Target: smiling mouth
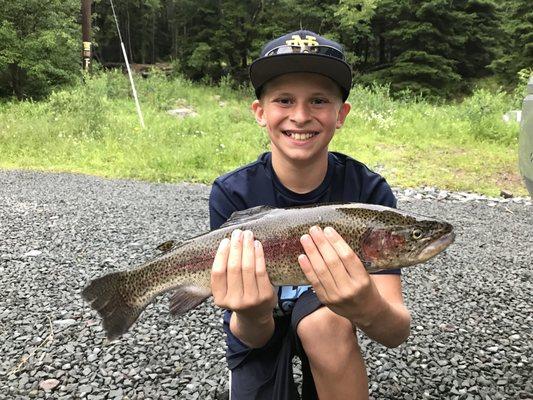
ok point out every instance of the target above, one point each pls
(302, 136)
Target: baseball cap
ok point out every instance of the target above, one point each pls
(301, 51)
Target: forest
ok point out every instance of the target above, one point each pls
(432, 48)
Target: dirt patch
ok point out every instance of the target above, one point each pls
(510, 181)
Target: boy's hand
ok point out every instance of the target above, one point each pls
(239, 280)
(338, 277)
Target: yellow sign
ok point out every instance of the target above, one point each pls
(86, 46)
(298, 41)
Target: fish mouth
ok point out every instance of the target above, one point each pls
(436, 246)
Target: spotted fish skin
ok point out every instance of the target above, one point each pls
(382, 237)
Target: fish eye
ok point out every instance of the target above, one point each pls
(416, 234)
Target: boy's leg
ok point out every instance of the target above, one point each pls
(262, 374)
(334, 355)
(308, 383)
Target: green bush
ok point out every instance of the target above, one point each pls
(484, 112)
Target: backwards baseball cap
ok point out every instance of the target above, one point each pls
(301, 51)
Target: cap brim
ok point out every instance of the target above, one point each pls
(264, 69)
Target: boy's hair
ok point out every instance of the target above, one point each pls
(301, 51)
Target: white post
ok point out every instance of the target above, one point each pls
(137, 105)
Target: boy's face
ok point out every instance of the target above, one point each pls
(300, 112)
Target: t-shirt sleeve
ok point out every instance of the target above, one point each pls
(220, 206)
(382, 194)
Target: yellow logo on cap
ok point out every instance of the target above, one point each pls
(298, 41)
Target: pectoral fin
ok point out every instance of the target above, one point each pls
(186, 298)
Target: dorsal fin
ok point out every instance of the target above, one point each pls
(165, 247)
(170, 245)
(250, 214)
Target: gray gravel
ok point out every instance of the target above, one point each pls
(472, 312)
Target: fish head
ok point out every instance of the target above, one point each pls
(396, 245)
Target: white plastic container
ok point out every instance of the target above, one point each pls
(525, 156)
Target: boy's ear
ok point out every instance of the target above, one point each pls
(343, 112)
(259, 113)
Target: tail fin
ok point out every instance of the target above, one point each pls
(105, 296)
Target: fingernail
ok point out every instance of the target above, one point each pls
(236, 234)
(223, 243)
(328, 230)
(248, 235)
(314, 229)
(257, 244)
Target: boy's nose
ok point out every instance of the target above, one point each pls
(300, 114)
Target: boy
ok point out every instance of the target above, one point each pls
(302, 82)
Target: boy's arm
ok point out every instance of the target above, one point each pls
(373, 304)
(240, 283)
(391, 320)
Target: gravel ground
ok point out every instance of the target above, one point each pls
(472, 321)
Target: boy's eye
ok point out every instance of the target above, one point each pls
(319, 100)
(283, 100)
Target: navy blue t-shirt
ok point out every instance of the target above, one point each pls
(256, 184)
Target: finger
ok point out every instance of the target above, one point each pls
(317, 263)
(235, 265)
(218, 271)
(311, 276)
(330, 256)
(352, 264)
(248, 265)
(263, 281)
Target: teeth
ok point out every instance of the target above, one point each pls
(300, 136)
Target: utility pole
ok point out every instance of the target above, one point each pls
(86, 34)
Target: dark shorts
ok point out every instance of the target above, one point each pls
(266, 373)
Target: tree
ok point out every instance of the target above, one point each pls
(39, 46)
(482, 37)
(380, 49)
(139, 23)
(432, 46)
(517, 53)
(422, 44)
(354, 17)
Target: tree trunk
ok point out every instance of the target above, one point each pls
(366, 50)
(128, 34)
(153, 38)
(381, 50)
(16, 80)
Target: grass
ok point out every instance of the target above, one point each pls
(93, 128)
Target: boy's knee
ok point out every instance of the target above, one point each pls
(330, 344)
(324, 332)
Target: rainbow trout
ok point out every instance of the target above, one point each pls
(382, 237)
